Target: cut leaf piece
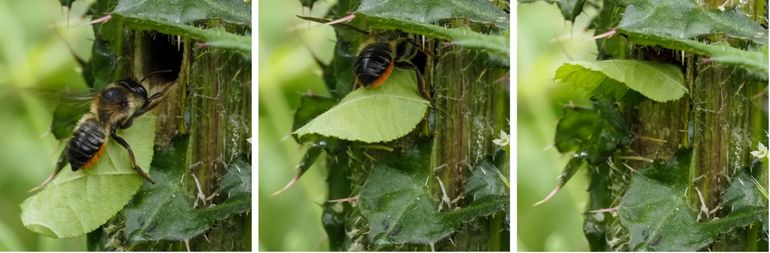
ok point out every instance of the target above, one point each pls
(657, 81)
(373, 115)
(78, 202)
(432, 11)
(686, 19)
(163, 211)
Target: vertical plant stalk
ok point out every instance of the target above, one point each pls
(469, 113)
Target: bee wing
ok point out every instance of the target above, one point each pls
(70, 108)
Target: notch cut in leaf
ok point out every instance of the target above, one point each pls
(657, 81)
(381, 114)
(78, 202)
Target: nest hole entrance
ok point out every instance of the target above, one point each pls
(164, 53)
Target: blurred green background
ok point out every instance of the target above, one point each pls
(545, 41)
(34, 56)
(292, 220)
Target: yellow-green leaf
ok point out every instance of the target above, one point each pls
(657, 81)
(379, 114)
(78, 202)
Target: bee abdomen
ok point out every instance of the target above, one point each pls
(374, 64)
(86, 145)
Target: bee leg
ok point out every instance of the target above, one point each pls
(148, 105)
(420, 78)
(131, 157)
(59, 165)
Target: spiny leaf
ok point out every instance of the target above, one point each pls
(484, 181)
(570, 9)
(186, 11)
(399, 209)
(432, 11)
(686, 19)
(307, 160)
(657, 81)
(78, 202)
(163, 211)
(742, 193)
(753, 60)
(494, 44)
(572, 167)
(373, 115)
(655, 211)
(478, 208)
(594, 134)
(177, 17)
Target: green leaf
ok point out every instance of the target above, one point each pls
(755, 61)
(742, 193)
(572, 167)
(78, 202)
(570, 9)
(310, 106)
(478, 208)
(373, 115)
(597, 225)
(163, 211)
(237, 178)
(65, 117)
(657, 81)
(432, 11)
(655, 211)
(175, 18)
(594, 134)
(686, 19)
(494, 44)
(399, 209)
(395, 200)
(186, 11)
(484, 182)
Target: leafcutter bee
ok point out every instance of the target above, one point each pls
(380, 54)
(115, 107)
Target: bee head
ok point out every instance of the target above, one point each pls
(117, 103)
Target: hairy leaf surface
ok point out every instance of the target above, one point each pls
(686, 19)
(163, 211)
(177, 17)
(432, 11)
(655, 210)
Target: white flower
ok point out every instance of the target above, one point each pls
(761, 152)
(503, 140)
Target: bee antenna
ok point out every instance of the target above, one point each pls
(154, 73)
